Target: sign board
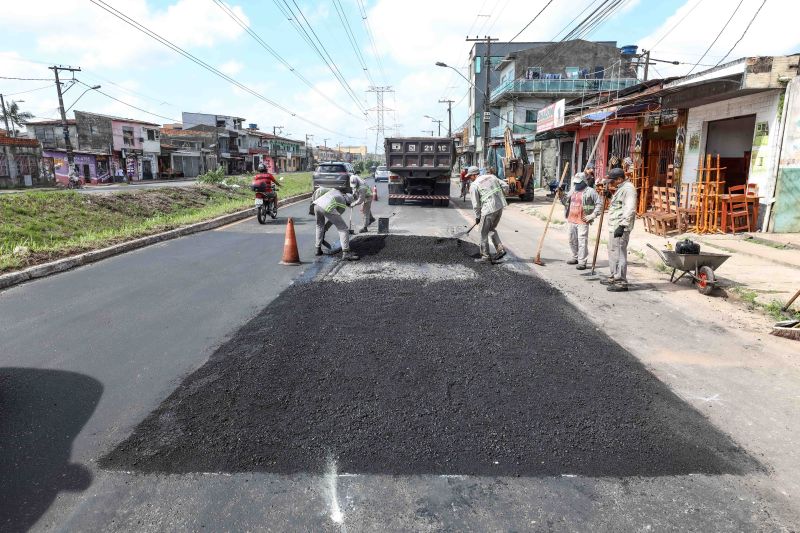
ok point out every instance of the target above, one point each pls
(550, 117)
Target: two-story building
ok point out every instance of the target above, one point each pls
(231, 150)
(50, 134)
(19, 162)
(187, 153)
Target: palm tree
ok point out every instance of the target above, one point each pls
(15, 116)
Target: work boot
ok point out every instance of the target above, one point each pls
(607, 281)
(319, 251)
(484, 259)
(572, 262)
(363, 230)
(617, 287)
(501, 253)
(347, 255)
(580, 267)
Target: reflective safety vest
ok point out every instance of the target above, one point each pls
(331, 200)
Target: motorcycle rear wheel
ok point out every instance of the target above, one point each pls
(273, 208)
(261, 214)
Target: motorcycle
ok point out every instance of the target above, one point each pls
(266, 201)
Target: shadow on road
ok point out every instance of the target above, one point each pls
(41, 413)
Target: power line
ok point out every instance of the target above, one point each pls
(372, 40)
(317, 45)
(532, 21)
(127, 90)
(30, 90)
(743, 33)
(24, 79)
(717, 37)
(131, 22)
(352, 38)
(652, 46)
(128, 104)
(568, 24)
(228, 11)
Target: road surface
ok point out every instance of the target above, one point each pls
(94, 356)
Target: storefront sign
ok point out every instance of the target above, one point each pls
(550, 117)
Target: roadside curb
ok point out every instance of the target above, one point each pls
(68, 263)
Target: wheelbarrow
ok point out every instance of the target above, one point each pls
(700, 267)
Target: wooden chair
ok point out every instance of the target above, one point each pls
(663, 218)
(738, 209)
(687, 208)
(752, 189)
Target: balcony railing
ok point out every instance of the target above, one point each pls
(527, 128)
(562, 86)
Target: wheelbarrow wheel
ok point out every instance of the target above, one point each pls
(706, 280)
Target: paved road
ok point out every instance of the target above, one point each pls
(125, 332)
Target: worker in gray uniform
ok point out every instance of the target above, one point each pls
(487, 195)
(318, 192)
(363, 195)
(328, 209)
(621, 216)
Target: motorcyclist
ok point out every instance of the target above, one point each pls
(74, 178)
(264, 181)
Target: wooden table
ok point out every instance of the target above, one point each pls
(728, 199)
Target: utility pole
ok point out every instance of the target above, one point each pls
(64, 125)
(274, 128)
(380, 109)
(309, 152)
(487, 66)
(438, 123)
(449, 116)
(646, 63)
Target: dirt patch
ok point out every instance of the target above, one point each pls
(445, 377)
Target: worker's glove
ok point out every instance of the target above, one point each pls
(477, 220)
(619, 231)
(311, 209)
(588, 218)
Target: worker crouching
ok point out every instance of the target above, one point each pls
(488, 200)
(621, 216)
(581, 206)
(328, 209)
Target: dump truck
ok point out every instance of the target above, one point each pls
(419, 169)
(510, 160)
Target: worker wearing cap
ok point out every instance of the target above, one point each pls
(363, 195)
(621, 215)
(589, 173)
(581, 207)
(328, 208)
(488, 200)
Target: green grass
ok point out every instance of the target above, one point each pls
(767, 242)
(38, 226)
(773, 309)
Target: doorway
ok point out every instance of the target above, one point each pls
(732, 139)
(147, 169)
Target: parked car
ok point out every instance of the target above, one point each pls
(335, 174)
(382, 174)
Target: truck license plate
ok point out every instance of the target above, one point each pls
(259, 201)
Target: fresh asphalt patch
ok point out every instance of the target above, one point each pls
(490, 373)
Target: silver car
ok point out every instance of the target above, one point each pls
(382, 174)
(335, 175)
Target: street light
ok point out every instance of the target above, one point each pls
(93, 88)
(438, 122)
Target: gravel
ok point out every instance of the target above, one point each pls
(492, 375)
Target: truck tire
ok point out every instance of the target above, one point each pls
(393, 201)
(444, 203)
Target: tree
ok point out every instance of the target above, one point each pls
(15, 116)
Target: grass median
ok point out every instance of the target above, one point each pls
(39, 226)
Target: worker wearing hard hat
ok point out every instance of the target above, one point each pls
(581, 206)
(621, 216)
(363, 195)
(328, 208)
(488, 200)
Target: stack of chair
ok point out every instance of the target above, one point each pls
(662, 218)
(687, 208)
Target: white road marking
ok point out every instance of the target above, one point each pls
(336, 513)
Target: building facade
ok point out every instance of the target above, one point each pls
(20, 160)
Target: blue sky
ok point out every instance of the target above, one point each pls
(410, 37)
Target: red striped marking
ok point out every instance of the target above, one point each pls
(418, 197)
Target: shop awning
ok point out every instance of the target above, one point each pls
(552, 134)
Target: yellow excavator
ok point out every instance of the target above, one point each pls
(510, 160)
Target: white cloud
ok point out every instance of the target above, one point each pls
(85, 34)
(231, 68)
(774, 32)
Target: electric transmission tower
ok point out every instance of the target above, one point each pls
(379, 109)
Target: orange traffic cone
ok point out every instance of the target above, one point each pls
(374, 193)
(290, 254)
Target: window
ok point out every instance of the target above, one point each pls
(572, 72)
(92, 129)
(478, 65)
(533, 73)
(152, 135)
(127, 136)
(530, 115)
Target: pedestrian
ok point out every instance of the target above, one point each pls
(488, 200)
(589, 173)
(581, 207)
(621, 216)
(328, 209)
(363, 194)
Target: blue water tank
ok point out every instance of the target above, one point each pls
(629, 50)
(252, 126)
